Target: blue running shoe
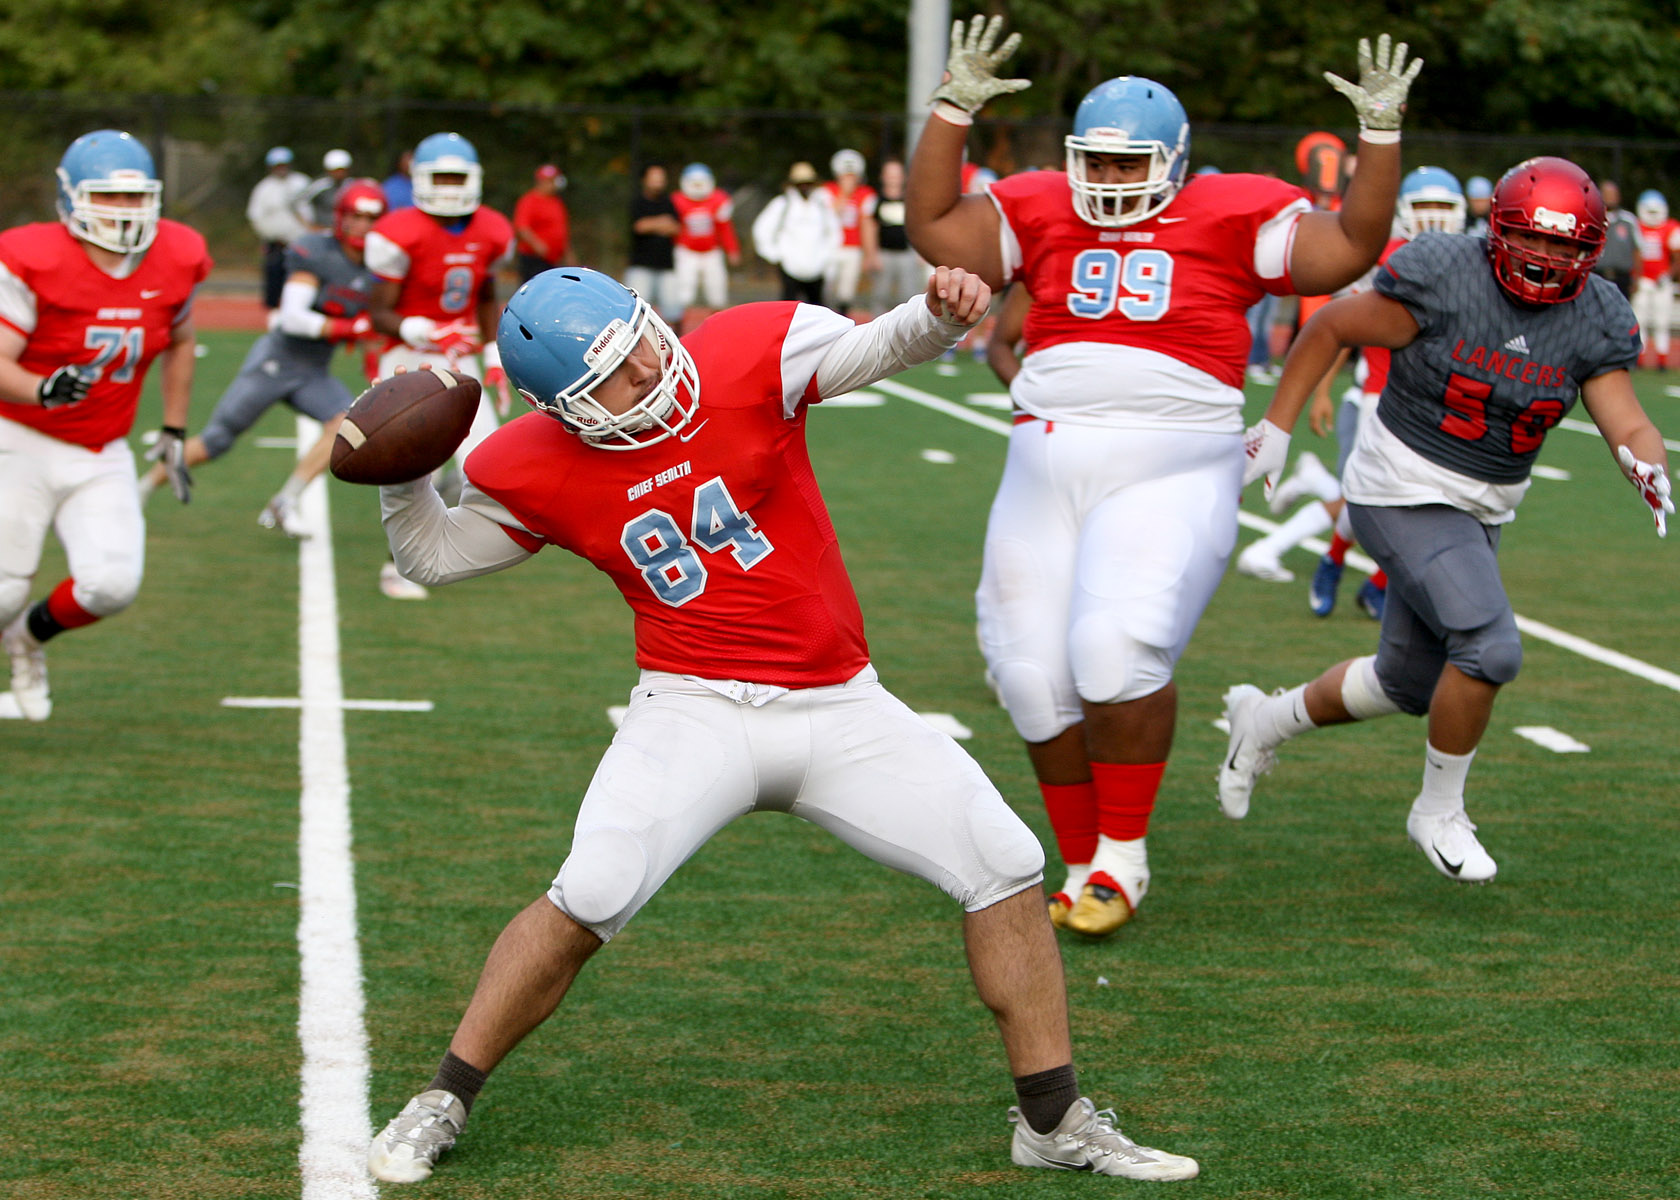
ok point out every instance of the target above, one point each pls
(1371, 599)
(1327, 578)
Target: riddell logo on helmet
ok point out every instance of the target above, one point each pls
(1108, 133)
(1554, 222)
(604, 341)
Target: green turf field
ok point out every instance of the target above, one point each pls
(1302, 1004)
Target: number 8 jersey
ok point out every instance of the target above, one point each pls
(440, 262)
(1157, 308)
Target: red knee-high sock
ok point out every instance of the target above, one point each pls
(64, 609)
(1125, 797)
(1073, 817)
(1339, 546)
(1380, 580)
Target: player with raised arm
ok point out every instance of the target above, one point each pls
(1118, 505)
(680, 470)
(323, 305)
(1491, 344)
(86, 304)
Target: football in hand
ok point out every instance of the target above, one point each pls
(404, 427)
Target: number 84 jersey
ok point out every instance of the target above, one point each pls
(1147, 324)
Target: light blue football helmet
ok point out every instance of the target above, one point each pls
(566, 330)
(1128, 115)
(1651, 207)
(1438, 189)
(101, 163)
(696, 181)
(446, 154)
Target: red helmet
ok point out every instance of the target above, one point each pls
(361, 197)
(1553, 197)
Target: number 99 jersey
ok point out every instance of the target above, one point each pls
(1179, 283)
(441, 264)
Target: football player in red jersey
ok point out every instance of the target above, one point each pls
(1491, 344)
(860, 236)
(680, 470)
(707, 245)
(1118, 505)
(1653, 294)
(86, 304)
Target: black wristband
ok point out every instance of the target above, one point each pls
(176, 430)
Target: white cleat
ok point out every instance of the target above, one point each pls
(282, 513)
(408, 1148)
(1448, 841)
(29, 670)
(1087, 1140)
(396, 587)
(1309, 478)
(1245, 758)
(1262, 564)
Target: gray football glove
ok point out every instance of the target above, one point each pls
(972, 65)
(1380, 95)
(171, 451)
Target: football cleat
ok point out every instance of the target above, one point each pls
(1309, 478)
(1099, 911)
(408, 1148)
(1371, 600)
(29, 670)
(281, 513)
(1060, 906)
(1326, 581)
(396, 587)
(1449, 842)
(1086, 1140)
(1262, 564)
(1245, 758)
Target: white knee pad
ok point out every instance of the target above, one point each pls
(1030, 697)
(1362, 694)
(108, 591)
(14, 597)
(601, 876)
(1110, 665)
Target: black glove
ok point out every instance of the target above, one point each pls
(67, 385)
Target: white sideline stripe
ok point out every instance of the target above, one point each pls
(944, 722)
(1555, 740)
(333, 1097)
(348, 705)
(1575, 426)
(1535, 629)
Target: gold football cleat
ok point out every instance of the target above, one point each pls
(1099, 911)
(1059, 910)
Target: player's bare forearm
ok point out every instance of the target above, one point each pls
(382, 307)
(179, 359)
(1310, 358)
(1365, 319)
(1333, 249)
(1611, 403)
(944, 225)
(17, 385)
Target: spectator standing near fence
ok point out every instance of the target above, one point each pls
(1620, 261)
(799, 232)
(273, 216)
(653, 230)
(541, 225)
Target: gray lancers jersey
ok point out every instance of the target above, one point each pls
(1487, 377)
(344, 290)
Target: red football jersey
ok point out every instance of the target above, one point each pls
(851, 210)
(72, 312)
(707, 224)
(441, 271)
(1657, 244)
(720, 540)
(1180, 283)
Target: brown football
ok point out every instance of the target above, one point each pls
(404, 427)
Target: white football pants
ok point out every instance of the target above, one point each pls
(702, 276)
(1653, 308)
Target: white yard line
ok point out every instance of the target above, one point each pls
(333, 1099)
(1538, 630)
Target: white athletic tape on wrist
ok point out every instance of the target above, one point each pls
(1379, 137)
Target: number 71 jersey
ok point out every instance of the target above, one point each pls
(717, 537)
(1180, 283)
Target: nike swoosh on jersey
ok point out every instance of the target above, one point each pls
(689, 436)
(150, 293)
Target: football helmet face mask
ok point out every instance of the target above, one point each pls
(359, 198)
(446, 154)
(1557, 199)
(1436, 189)
(1652, 207)
(566, 330)
(1128, 116)
(101, 164)
(846, 162)
(696, 181)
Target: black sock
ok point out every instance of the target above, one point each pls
(460, 1077)
(1046, 1096)
(43, 626)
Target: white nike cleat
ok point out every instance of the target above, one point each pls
(1263, 564)
(1309, 478)
(1087, 1140)
(282, 513)
(392, 583)
(408, 1148)
(1245, 758)
(29, 670)
(1448, 841)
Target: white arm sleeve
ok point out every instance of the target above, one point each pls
(433, 544)
(908, 335)
(297, 312)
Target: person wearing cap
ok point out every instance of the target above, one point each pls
(799, 233)
(540, 224)
(273, 215)
(854, 203)
(1478, 200)
(316, 202)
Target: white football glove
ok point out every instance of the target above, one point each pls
(971, 69)
(171, 451)
(1652, 481)
(1267, 448)
(1380, 95)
